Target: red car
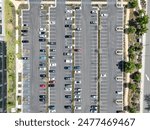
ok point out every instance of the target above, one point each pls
(42, 85)
(77, 50)
(52, 81)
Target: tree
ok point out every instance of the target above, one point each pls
(132, 109)
(133, 4)
(129, 67)
(142, 20)
(138, 66)
(131, 49)
(131, 29)
(143, 29)
(131, 56)
(132, 86)
(141, 12)
(138, 47)
(137, 77)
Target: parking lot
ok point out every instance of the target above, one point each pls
(111, 55)
(60, 58)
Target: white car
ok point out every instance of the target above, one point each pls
(77, 107)
(52, 64)
(94, 96)
(42, 69)
(93, 11)
(68, 11)
(52, 111)
(103, 75)
(78, 82)
(77, 71)
(42, 29)
(42, 36)
(68, 18)
(68, 61)
(119, 92)
(104, 15)
(68, 89)
(77, 96)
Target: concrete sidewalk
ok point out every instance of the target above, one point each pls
(127, 75)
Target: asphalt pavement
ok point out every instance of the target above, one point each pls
(111, 40)
(146, 94)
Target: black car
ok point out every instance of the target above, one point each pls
(52, 50)
(24, 31)
(67, 107)
(42, 40)
(25, 58)
(25, 41)
(52, 71)
(51, 43)
(42, 50)
(51, 57)
(68, 84)
(68, 36)
(51, 85)
(42, 65)
(92, 22)
(67, 96)
(68, 25)
(42, 100)
(42, 75)
(42, 96)
(51, 107)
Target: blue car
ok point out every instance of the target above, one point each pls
(76, 67)
(68, 68)
(42, 57)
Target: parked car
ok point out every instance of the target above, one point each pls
(42, 86)
(52, 81)
(68, 68)
(76, 67)
(42, 57)
(52, 71)
(25, 41)
(24, 58)
(68, 36)
(42, 75)
(51, 43)
(52, 64)
(51, 85)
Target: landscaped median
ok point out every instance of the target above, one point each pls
(11, 43)
(137, 27)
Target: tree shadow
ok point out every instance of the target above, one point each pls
(121, 65)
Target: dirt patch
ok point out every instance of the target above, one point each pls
(10, 26)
